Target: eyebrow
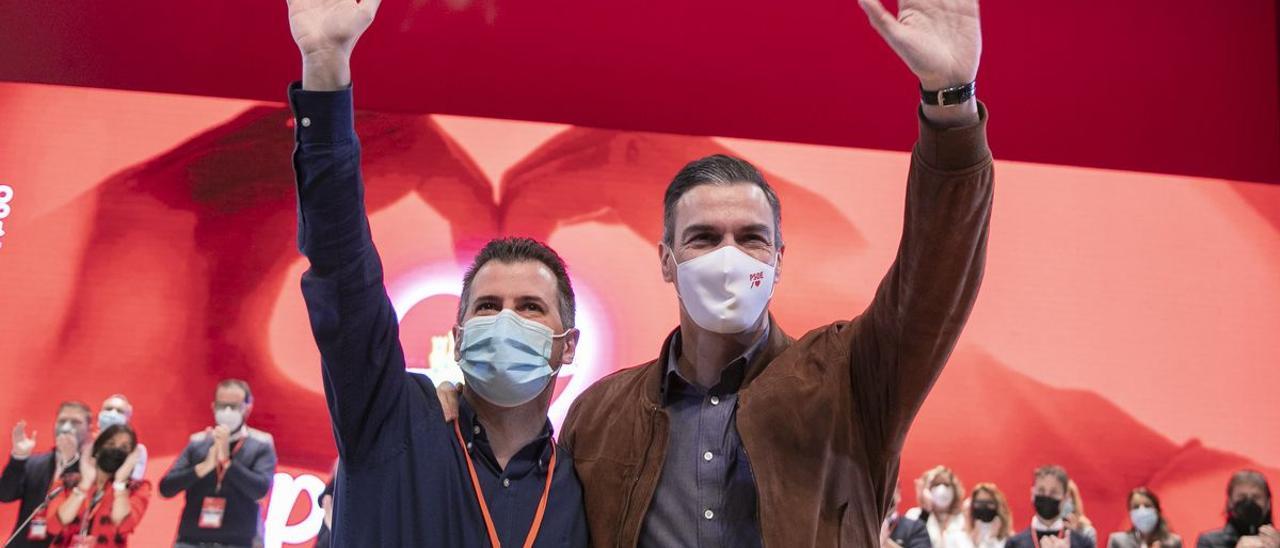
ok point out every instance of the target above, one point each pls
(519, 300)
(698, 228)
(485, 299)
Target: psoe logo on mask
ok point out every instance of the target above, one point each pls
(756, 279)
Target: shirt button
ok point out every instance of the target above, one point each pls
(468, 445)
(506, 482)
(708, 514)
(707, 456)
(476, 429)
(715, 400)
(306, 122)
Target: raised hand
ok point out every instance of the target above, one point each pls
(326, 32)
(88, 468)
(448, 394)
(221, 443)
(126, 469)
(940, 40)
(23, 445)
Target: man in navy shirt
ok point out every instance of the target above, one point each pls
(407, 478)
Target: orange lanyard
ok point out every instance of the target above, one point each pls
(484, 507)
(221, 470)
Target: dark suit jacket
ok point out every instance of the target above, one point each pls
(1226, 537)
(1023, 540)
(910, 533)
(28, 480)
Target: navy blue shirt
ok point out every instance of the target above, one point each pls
(706, 495)
(403, 480)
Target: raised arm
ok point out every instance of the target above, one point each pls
(354, 324)
(901, 343)
(15, 472)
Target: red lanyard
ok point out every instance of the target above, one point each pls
(91, 507)
(1035, 535)
(221, 470)
(484, 507)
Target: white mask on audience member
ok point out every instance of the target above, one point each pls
(943, 496)
(1144, 519)
(229, 417)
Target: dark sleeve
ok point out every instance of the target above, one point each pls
(354, 324)
(899, 345)
(918, 538)
(252, 480)
(182, 474)
(13, 479)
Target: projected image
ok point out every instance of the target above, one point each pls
(148, 247)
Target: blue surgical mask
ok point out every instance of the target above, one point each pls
(110, 417)
(1144, 519)
(506, 359)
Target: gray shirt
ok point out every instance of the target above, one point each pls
(706, 495)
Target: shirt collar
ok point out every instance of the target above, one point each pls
(730, 378)
(1039, 524)
(535, 455)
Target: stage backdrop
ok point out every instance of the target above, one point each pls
(1126, 328)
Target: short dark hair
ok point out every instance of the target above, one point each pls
(717, 169)
(1255, 478)
(111, 432)
(1054, 471)
(76, 404)
(237, 383)
(515, 250)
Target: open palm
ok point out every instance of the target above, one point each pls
(22, 444)
(323, 26)
(939, 40)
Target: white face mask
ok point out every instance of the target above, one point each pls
(506, 359)
(110, 417)
(942, 496)
(231, 418)
(726, 290)
(1144, 519)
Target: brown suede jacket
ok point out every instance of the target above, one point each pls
(823, 418)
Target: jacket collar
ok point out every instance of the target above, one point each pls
(655, 372)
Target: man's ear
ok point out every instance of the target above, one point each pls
(668, 266)
(457, 343)
(570, 347)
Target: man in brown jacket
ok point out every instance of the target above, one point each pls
(738, 434)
